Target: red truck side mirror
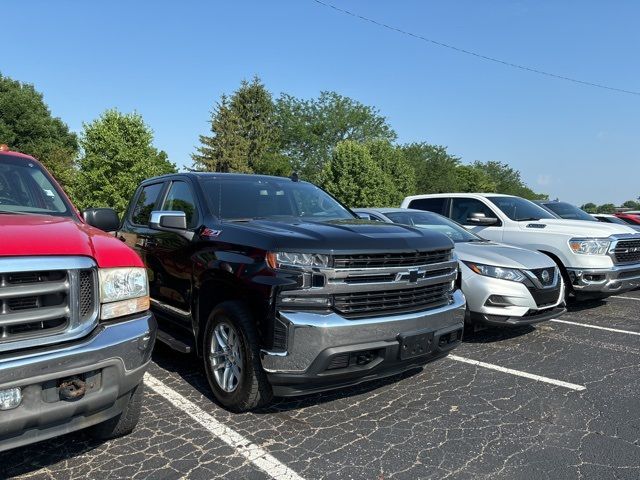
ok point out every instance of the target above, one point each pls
(103, 218)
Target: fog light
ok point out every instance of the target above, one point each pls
(497, 301)
(10, 398)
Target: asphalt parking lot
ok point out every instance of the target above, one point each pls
(561, 400)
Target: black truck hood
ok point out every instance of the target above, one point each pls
(334, 237)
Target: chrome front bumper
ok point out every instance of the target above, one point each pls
(612, 280)
(310, 334)
(114, 356)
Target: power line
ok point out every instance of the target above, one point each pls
(474, 54)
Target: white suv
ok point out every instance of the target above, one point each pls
(597, 259)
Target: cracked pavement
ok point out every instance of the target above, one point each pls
(451, 420)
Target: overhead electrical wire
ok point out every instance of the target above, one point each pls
(474, 54)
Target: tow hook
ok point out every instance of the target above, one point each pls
(72, 389)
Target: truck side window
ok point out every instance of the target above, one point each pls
(145, 203)
(180, 198)
(463, 208)
(435, 205)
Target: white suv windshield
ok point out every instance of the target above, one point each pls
(26, 188)
(519, 209)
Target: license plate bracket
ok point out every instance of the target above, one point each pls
(415, 344)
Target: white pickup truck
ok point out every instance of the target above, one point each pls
(596, 259)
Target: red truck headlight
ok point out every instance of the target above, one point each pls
(123, 291)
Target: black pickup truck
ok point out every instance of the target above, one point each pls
(284, 291)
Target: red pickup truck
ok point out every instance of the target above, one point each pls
(76, 333)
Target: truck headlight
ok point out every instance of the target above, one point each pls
(590, 246)
(123, 291)
(296, 260)
(501, 273)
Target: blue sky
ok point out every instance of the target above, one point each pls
(170, 61)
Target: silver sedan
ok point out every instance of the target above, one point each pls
(504, 285)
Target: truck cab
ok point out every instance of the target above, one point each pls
(596, 259)
(76, 333)
(282, 290)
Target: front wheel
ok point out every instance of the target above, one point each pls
(232, 359)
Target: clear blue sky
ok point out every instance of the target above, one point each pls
(171, 60)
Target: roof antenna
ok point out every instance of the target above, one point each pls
(294, 177)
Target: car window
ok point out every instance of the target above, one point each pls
(26, 188)
(245, 198)
(435, 223)
(145, 203)
(520, 209)
(568, 211)
(435, 205)
(463, 208)
(180, 198)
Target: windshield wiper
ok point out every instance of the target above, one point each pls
(14, 212)
(528, 219)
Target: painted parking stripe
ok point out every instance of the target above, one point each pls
(531, 376)
(256, 455)
(597, 327)
(626, 298)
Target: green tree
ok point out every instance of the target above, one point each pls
(117, 154)
(590, 207)
(244, 137)
(508, 180)
(355, 178)
(401, 175)
(470, 178)
(26, 125)
(632, 204)
(434, 167)
(607, 208)
(311, 129)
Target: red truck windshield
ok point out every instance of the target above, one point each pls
(26, 188)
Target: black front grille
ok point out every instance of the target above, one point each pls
(627, 251)
(546, 276)
(389, 260)
(87, 294)
(545, 298)
(405, 300)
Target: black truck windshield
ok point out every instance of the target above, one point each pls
(520, 210)
(26, 188)
(246, 198)
(435, 223)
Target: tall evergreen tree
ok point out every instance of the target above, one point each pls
(244, 137)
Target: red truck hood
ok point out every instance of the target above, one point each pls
(33, 235)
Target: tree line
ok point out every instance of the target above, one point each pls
(335, 141)
(591, 207)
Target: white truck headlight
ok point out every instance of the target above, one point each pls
(296, 260)
(501, 273)
(590, 246)
(123, 291)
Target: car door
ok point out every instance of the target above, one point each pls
(136, 232)
(172, 254)
(463, 209)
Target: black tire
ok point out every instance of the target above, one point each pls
(124, 423)
(253, 389)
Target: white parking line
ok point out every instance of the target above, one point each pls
(537, 378)
(596, 327)
(256, 455)
(626, 298)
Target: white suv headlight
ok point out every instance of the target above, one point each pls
(123, 291)
(590, 246)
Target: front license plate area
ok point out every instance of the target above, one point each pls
(415, 344)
